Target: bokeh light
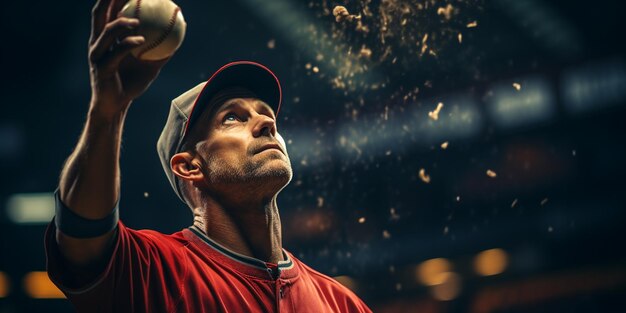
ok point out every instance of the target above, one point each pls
(491, 262)
(430, 272)
(37, 285)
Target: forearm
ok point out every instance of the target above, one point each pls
(90, 180)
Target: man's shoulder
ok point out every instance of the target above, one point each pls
(153, 238)
(323, 281)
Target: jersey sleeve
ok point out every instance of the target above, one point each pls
(143, 274)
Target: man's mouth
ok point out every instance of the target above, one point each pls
(272, 146)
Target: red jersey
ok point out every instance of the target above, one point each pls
(188, 272)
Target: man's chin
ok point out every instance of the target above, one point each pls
(275, 172)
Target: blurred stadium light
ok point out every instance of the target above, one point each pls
(533, 103)
(37, 285)
(594, 86)
(545, 25)
(491, 262)
(509, 107)
(30, 208)
(449, 287)
(5, 287)
(430, 271)
(458, 119)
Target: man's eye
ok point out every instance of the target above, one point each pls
(230, 117)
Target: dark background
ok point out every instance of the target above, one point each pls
(356, 206)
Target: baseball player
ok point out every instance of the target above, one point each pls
(223, 155)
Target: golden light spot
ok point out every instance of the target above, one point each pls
(37, 285)
(491, 262)
(4, 285)
(429, 272)
(449, 288)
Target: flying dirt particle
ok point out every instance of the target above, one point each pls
(320, 202)
(341, 14)
(365, 52)
(446, 12)
(434, 115)
(393, 215)
(423, 176)
(444, 145)
(361, 220)
(517, 86)
(271, 44)
(472, 24)
(491, 174)
(386, 234)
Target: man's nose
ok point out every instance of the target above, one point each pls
(264, 126)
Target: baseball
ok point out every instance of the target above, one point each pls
(162, 25)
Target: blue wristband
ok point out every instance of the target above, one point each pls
(77, 226)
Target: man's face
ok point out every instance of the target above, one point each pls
(242, 147)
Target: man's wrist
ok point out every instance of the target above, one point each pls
(99, 114)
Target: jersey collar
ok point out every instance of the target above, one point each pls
(284, 269)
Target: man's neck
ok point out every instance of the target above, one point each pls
(251, 228)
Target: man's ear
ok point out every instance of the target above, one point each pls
(185, 166)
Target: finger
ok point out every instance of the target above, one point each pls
(122, 50)
(112, 31)
(98, 18)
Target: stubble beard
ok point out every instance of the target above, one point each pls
(249, 177)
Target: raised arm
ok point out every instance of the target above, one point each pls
(90, 180)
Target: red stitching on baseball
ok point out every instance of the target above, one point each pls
(163, 36)
(137, 8)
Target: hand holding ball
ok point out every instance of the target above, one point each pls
(161, 23)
